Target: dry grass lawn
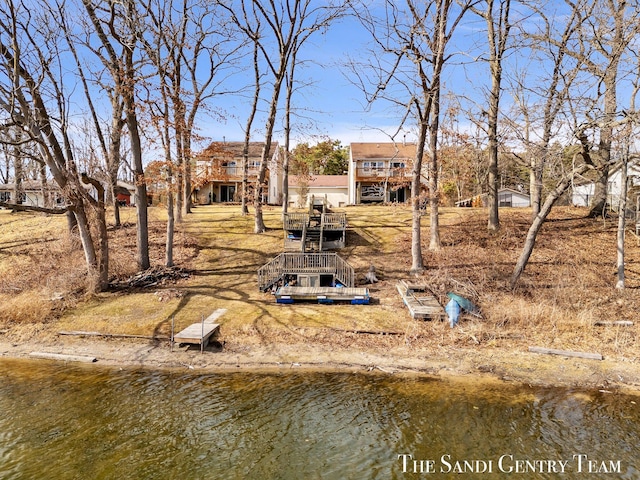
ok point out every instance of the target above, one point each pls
(567, 287)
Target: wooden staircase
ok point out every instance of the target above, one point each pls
(290, 263)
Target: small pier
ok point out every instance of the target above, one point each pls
(328, 295)
(200, 333)
(420, 301)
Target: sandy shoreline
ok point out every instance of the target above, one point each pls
(465, 364)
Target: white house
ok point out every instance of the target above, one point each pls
(31, 193)
(582, 192)
(335, 188)
(508, 197)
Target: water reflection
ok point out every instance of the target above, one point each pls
(80, 422)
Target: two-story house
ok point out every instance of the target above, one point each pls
(380, 172)
(219, 171)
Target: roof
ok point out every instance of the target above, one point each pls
(29, 186)
(388, 150)
(330, 181)
(511, 190)
(234, 149)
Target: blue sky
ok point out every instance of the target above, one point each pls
(338, 108)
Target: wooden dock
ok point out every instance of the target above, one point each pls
(420, 301)
(354, 295)
(200, 333)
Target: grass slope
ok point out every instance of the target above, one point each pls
(566, 288)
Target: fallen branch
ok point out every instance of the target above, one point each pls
(152, 277)
(367, 332)
(621, 323)
(64, 357)
(566, 353)
(28, 208)
(113, 335)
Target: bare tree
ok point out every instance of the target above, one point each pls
(496, 16)
(117, 28)
(410, 44)
(542, 99)
(254, 33)
(109, 139)
(552, 197)
(288, 26)
(626, 156)
(603, 43)
(34, 98)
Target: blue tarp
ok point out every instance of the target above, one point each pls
(453, 311)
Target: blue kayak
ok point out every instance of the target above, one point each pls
(464, 303)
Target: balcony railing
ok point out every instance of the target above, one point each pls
(224, 173)
(388, 172)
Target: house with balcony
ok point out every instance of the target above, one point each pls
(380, 172)
(219, 171)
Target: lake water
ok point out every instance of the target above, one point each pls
(84, 422)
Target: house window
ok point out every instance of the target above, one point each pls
(5, 196)
(397, 165)
(505, 200)
(373, 165)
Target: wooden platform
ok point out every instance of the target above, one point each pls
(420, 301)
(323, 294)
(200, 333)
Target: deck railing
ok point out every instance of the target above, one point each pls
(295, 221)
(305, 263)
(334, 221)
(330, 221)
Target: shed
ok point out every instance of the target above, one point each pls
(508, 197)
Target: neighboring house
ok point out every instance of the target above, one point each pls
(583, 191)
(507, 197)
(582, 194)
(380, 172)
(31, 194)
(218, 171)
(125, 193)
(333, 188)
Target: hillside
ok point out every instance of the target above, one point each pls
(567, 288)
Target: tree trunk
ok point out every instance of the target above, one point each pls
(185, 173)
(259, 226)
(247, 132)
(535, 182)
(168, 259)
(622, 223)
(434, 197)
(142, 227)
(17, 165)
(417, 265)
(494, 219)
(599, 206)
(537, 223)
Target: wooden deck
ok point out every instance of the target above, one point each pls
(420, 301)
(200, 333)
(323, 294)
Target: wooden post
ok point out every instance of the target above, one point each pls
(202, 337)
(173, 321)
